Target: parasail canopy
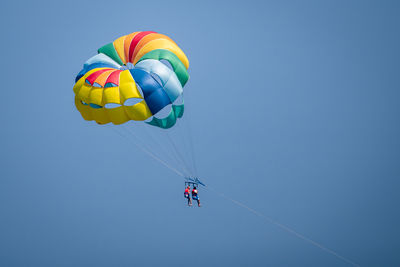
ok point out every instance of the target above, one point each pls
(134, 78)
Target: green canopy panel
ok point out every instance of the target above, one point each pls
(110, 51)
(170, 120)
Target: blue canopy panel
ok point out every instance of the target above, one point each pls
(167, 77)
(98, 61)
(154, 95)
(104, 59)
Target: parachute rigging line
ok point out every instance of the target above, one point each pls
(149, 153)
(188, 136)
(177, 161)
(177, 151)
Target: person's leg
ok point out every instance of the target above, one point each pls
(188, 199)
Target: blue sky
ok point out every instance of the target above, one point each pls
(294, 112)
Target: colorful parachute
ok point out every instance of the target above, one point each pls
(133, 78)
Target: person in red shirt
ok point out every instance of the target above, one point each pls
(186, 194)
(195, 196)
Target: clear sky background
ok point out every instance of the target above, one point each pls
(294, 109)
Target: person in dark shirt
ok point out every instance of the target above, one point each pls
(195, 195)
